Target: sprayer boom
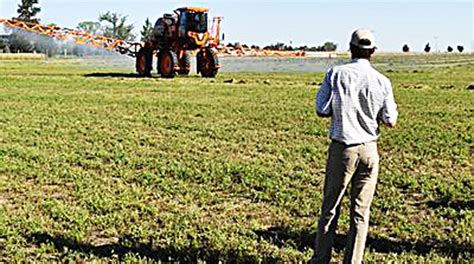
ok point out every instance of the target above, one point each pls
(65, 34)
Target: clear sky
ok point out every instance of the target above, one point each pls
(262, 22)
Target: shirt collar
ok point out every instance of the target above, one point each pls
(362, 61)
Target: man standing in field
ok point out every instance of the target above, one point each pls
(357, 98)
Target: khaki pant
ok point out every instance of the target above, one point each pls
(358, 165)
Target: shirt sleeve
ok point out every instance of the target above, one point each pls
(389, 110)
(324, 97)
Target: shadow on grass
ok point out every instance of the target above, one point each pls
(447, 203)
(128, 246)
(116, 75)
(281, 236)
(133, 75)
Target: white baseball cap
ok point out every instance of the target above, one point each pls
(363, 38)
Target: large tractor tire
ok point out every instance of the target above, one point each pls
(167, 63)
(207, 63)
(184, 64)
(144, 62)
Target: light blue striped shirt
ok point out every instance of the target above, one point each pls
(357, 98)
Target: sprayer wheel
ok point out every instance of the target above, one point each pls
(144, 62)
(167, 63)
(207, 63)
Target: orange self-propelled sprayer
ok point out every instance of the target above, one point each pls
(173, 39)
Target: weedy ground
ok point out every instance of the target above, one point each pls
(97, 165)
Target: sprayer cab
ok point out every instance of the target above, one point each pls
(193, 31)
(186, 29)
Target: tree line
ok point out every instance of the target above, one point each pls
(279, 46)
(427, 48)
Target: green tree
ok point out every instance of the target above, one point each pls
(146, 30)
(91, 27)
(19, 41)
(27, 11)
(45, 45)
(329, 46)
(3, 45)
(405, 48)
(427, 48)
(118, 28)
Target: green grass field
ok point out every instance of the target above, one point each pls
(107, 167)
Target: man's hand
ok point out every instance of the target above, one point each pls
(391, 125)
(324, 115)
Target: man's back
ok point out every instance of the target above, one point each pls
(358, 97)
